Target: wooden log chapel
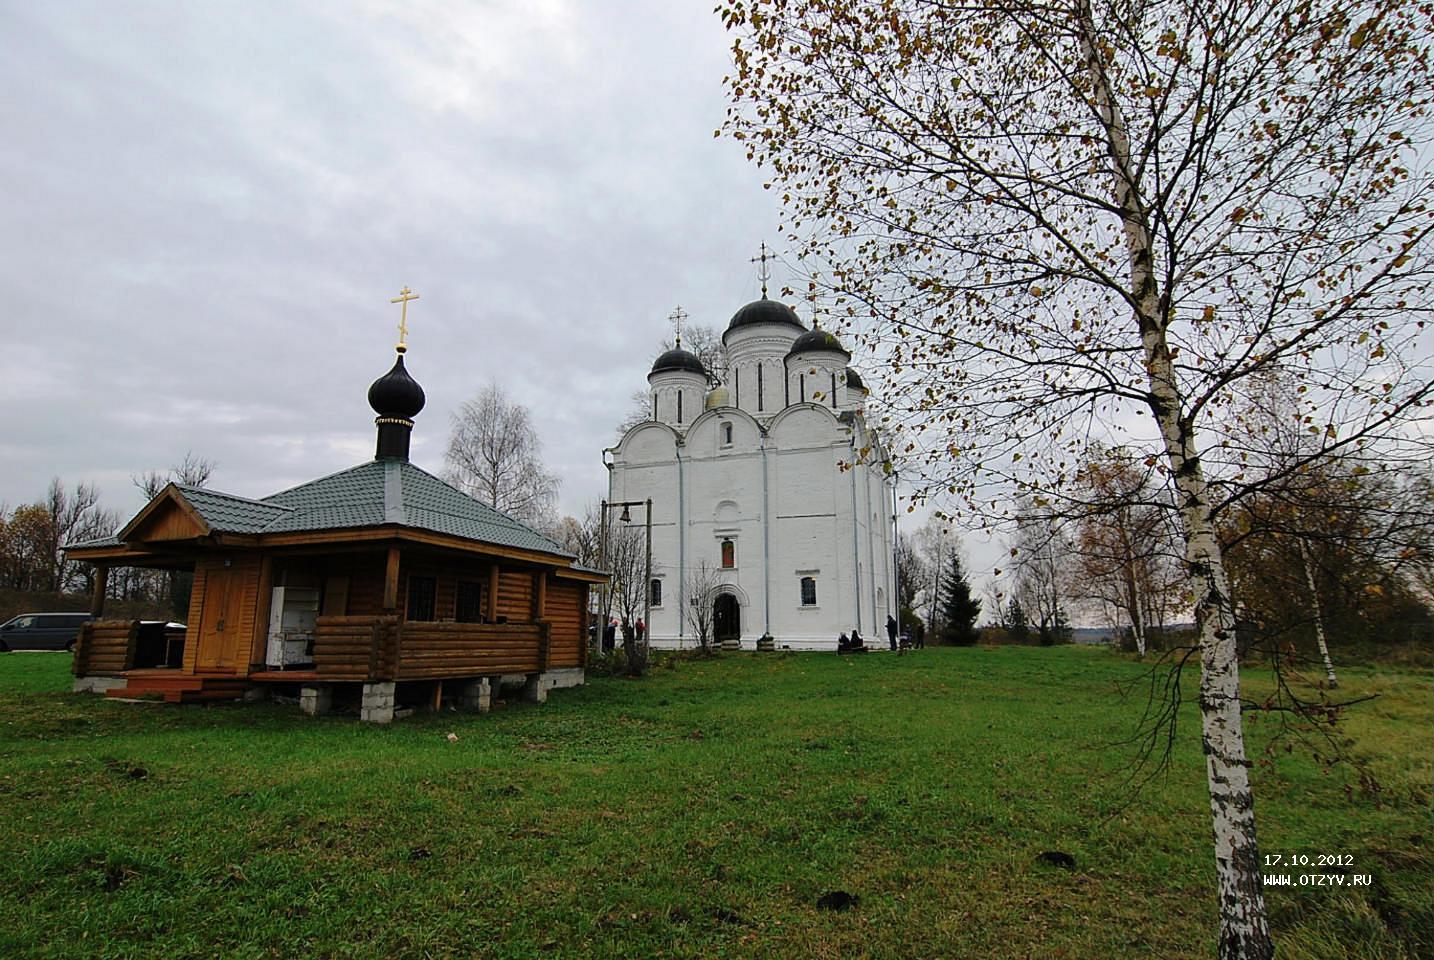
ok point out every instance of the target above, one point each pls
(380, 586)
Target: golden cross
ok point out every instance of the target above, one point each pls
(764, 272)
(677, 316)
(812, 296)
(403, 297)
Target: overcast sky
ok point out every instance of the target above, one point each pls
(207, 207)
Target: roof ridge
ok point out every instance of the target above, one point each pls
(189, 488)
(488, 506)
(309, 483)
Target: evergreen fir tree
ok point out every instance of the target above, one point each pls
(959, 609)
(1016, 623)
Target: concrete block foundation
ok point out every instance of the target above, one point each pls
(478, 695)
(316, 701)
(98, 684)
(377, 705)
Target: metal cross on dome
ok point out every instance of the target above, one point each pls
(403, 297)
(764, 272)
(677, 316)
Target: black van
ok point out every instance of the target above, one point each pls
(41, 631)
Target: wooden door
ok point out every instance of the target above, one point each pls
(726, 618)
(220, 628)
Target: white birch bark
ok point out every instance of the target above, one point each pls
(1329, 674)
(1244, 930)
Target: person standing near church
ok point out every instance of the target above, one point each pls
(641, 629)
(891, 630)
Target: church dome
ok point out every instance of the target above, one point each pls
(764, 311)
(396, 394)
(817, 339)
(718, 396)
(854, 381)
(678, 360)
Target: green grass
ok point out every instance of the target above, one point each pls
(699, 812)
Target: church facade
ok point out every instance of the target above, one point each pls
(772, 504)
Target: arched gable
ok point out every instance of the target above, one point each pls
(705, 434)
(647, 442)
(804, 424)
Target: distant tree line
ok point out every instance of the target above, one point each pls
(33, 537)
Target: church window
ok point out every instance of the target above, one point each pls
(761, 392)
(654, 406)
(809, 591)
(802, 377)
(421, 593)
(679, 406)
(736, 386)
(833, 391)
(726, 434)
(468, 605)
(656, 598)
(729, 554)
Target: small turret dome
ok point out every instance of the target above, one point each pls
(763, 311)
(817, 339)
(678, 359)
(854, 382)
(396, 394)
(718, 396)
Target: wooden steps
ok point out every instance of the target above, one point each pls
(178, 687)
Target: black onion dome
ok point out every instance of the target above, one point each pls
(853, 381)
(818, 339)
(764, 311)
(396, 394)
(677, 360)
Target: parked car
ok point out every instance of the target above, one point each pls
(41, 631)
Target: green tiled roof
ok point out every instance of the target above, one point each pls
(368, 495)
(224, 511)
(393, 491)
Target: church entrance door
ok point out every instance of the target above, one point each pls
(726, 618)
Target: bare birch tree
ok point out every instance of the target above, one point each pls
(1102, 216)
(626, 562)
(494, 454)
(1122, 542)
(702, 583)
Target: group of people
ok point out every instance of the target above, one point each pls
(855, 643)
(609, 633)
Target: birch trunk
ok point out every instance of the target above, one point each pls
(1137, 613)
(1318, 616)
(1244, 931)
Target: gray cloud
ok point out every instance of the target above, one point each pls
(208, 207)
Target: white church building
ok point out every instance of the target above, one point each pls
(771, 484)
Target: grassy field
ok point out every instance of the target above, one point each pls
(700, 812)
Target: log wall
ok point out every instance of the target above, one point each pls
(385, 648)
(434, 650)
(105, 647)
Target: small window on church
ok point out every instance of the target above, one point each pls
(421, 594)
(726, 434)
(809, 591)
(760, 391)
(679, 406)
(802, 379)
(729, 554)
(656, 598)
(834, 391)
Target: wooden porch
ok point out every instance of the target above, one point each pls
(346, 649)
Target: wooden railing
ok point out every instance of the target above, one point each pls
(105, 647)
(385, 648)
